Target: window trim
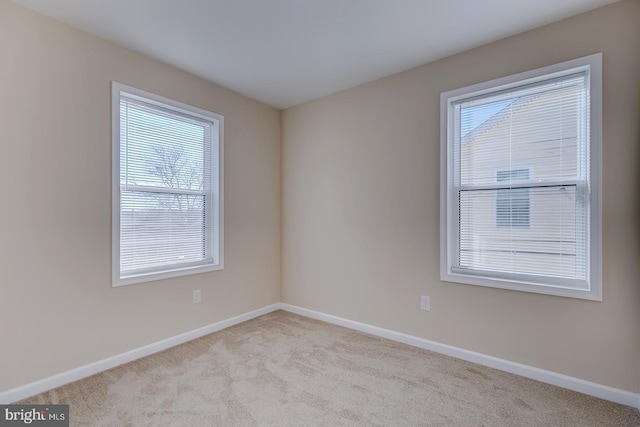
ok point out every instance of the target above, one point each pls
(448, 240)
(217, 212)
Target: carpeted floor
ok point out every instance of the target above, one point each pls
(286, 370)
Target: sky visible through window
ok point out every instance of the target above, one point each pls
(472, 117)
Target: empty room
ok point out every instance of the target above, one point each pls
(323, 213)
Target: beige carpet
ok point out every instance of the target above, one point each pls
(286, 370)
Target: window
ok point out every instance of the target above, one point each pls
(512, 204)
(520, 181)
(167, 188)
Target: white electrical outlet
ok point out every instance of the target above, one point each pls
(196, 296)
(425, 303)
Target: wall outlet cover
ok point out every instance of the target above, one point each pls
(425, 303)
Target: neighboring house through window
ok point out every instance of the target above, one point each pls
(167, 188)
(521, 181)
(513, 205)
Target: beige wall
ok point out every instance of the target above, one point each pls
(58, 310)
(360, 213)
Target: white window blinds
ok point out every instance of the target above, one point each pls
(168, 188)
(519, 182)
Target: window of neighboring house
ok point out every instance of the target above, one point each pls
(167, 188)
(531, 228)
(512, 204)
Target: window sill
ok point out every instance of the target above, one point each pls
(523, 286)
(167, 274)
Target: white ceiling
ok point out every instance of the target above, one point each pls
(285, 52)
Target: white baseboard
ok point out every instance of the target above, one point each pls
(76, 374)
(593, 389)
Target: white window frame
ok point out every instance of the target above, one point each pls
(449, 200)
(215, 238)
